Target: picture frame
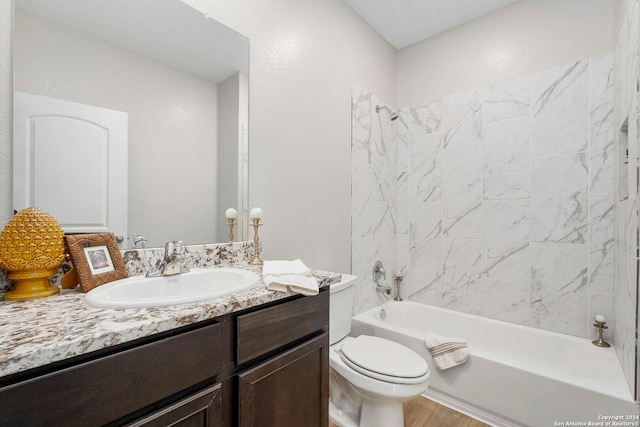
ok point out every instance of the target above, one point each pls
(96, 259)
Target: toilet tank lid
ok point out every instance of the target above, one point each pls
(346, 281)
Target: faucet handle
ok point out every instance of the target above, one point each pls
(173, 247)
(378, 271)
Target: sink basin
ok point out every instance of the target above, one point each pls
(197, 285)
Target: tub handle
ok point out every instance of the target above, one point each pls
(378, 271)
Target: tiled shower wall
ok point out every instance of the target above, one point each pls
(507, 206)
(373, 196)
(626, 237)
(503, 198)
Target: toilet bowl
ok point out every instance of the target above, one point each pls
(370, 377)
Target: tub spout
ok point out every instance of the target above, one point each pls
(384, 289)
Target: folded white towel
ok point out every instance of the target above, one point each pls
(447, 352)
(289, 275)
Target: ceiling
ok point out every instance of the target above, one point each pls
(166, 31)
(405, 22)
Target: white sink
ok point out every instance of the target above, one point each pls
(197, 285)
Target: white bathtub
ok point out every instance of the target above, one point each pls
(516, 375)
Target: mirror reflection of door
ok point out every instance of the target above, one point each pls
(74, 163)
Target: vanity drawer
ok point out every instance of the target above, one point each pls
(105, 389)
(269, 329)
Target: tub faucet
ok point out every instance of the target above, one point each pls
(378, 271)
(172, 262)
(384, 289)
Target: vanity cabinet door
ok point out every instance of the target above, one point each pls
(290, 389)
(201, 409)
(112, 387)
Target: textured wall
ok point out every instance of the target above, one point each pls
(304, 58)
(528, 36)
(6, 106)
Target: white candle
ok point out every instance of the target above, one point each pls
(600, 318)
(231, 213)
(256, 213)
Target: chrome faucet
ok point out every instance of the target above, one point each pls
(172, 262)
(378, 271)
(139, 241)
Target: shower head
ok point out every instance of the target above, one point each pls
(392, 115)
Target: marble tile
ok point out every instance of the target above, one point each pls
(601, 245)
(461, 282)
(560, 98)
(507, 99)
(422, 286)
(382, 160)
(381, 220)
(506, 240)
(462, 127)
(425, 171)
(559, 292)
(402, 180)
(504, 300)
(402, 254)
(383, 239)
(361, 200)
(362, 259)
(361, 124)
(422, 119)
(559, 198)
(506, 159)
(425, 236)
(462, 195)
(601, 80)
(601, 162)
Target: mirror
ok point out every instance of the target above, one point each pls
(181, 77)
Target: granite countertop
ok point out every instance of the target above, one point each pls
(42, 331)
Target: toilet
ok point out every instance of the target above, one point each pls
(370, 377)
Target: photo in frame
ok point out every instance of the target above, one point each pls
(96, 259)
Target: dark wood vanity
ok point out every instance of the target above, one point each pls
(263, 366)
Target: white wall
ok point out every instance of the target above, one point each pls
(6, 107)
(305, 58)
(171, 114)
(528, 36)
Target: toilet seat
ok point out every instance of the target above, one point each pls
(384, 360)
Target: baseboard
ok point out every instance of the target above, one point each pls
(469, 410)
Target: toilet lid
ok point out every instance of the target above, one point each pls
(384, 359)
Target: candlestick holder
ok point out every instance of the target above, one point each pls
(600, 325)
(256, 242)
(231, 222)
(398, 279)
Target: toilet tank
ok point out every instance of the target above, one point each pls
(340, 307)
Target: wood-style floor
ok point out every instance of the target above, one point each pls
(422, 412)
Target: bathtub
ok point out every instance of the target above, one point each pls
(516, 375)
